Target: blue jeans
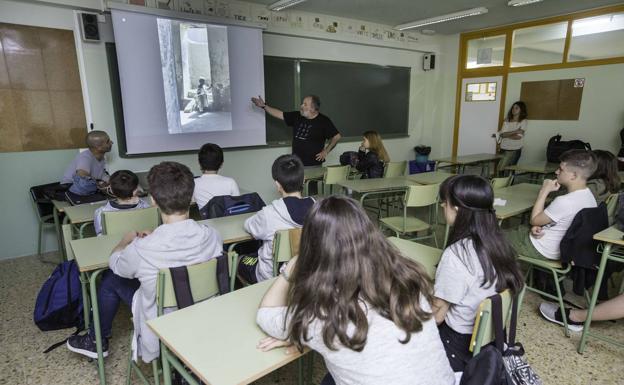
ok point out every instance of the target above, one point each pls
(113, 290)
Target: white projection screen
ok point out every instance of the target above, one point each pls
(188, 82)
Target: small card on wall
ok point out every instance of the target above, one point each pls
(579, 82)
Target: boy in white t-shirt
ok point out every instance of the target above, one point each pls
(549, 225)
(211, 184)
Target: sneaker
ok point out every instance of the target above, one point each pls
(552, 313)
(85, 345)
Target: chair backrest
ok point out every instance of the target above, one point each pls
(501, 182)
(202, 279)
(123, 221)
(393, 169)
(483, 330)
(427, 256)
(420, 196)
(285, 246)
(612, 206)
(335, 174)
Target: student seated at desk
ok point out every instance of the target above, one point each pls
(550, 224)
(352, 297)
(211, 184)
(478, 263)
(124, 185)
(372, 156)
(288, 212)
(136, 260)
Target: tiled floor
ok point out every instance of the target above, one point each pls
(552, 355)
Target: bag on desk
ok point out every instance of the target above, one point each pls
(556, 147)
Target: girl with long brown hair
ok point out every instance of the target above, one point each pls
(372, 155)
(353, 298)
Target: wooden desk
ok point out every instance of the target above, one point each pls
(367, 187)
(216, 339)
(520, 198)
(464, 160)
(537, 170)
(612, 251)
(433, 177)
(230, 228)
(427, 256)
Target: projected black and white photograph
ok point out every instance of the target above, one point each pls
(196, 76)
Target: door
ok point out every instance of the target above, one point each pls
(478, 116)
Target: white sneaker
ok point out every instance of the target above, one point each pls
(552, 313)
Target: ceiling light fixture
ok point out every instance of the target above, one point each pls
(520, 3)
(442, 18)
(282, 4)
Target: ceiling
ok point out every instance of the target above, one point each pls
(393, 12)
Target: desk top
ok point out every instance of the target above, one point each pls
(520, 198)
(425, 255)
(217, 338)
(433, 177)
(60, 205)
(93, 253)
(468, 159)
(610, 235)
(377, 184)
(231, 228)
(82, 213)
(537, 167)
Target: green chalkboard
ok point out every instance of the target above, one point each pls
(357, 97)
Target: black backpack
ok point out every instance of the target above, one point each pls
(556, 147)
(226, 205)
(349, 158)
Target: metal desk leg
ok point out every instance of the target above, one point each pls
(170, 359)
(86, 303)
(96, 325)
(592, 304)
(59, 233)
(233, 264)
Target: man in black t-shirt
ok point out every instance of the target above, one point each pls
(311, 129)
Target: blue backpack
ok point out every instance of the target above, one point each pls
(59, 302)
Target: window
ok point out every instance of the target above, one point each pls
(486, 52)
(480, 92)
(542, 44)
(597, 37)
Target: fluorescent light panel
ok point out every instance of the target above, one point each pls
(442, 18)
(282, 4)
(520, 3)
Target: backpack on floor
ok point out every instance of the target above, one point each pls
(59, 302)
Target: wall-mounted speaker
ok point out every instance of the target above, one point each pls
(428, 61)
(89, 27)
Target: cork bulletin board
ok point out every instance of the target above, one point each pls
(553, 99)
(41, 106)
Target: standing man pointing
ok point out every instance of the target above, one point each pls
(311, 129)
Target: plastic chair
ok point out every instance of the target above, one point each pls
(498, 183)
(285, 246)
(44, 211)
(333, 175)
(483, 331)
(121, 222)
(427, 256)
(394, 169)
(416, 196)
(203, 283)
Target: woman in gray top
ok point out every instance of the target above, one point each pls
(353, 298)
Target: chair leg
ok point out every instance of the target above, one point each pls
(40, 243)
(561, 306)
(155, 370)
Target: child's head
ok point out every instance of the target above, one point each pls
(607, 170)
(287, 171)
(345, 260)
(576, 167)
(210, 157)
(372, 141)
(171, 186)
(124, 184)
(468, 206)
(518, 111)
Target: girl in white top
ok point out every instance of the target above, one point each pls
(511, 135)
(354, 299)
(478, 263)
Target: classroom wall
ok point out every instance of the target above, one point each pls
(602, 109)
(430, 121)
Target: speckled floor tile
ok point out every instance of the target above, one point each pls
(551, 354)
